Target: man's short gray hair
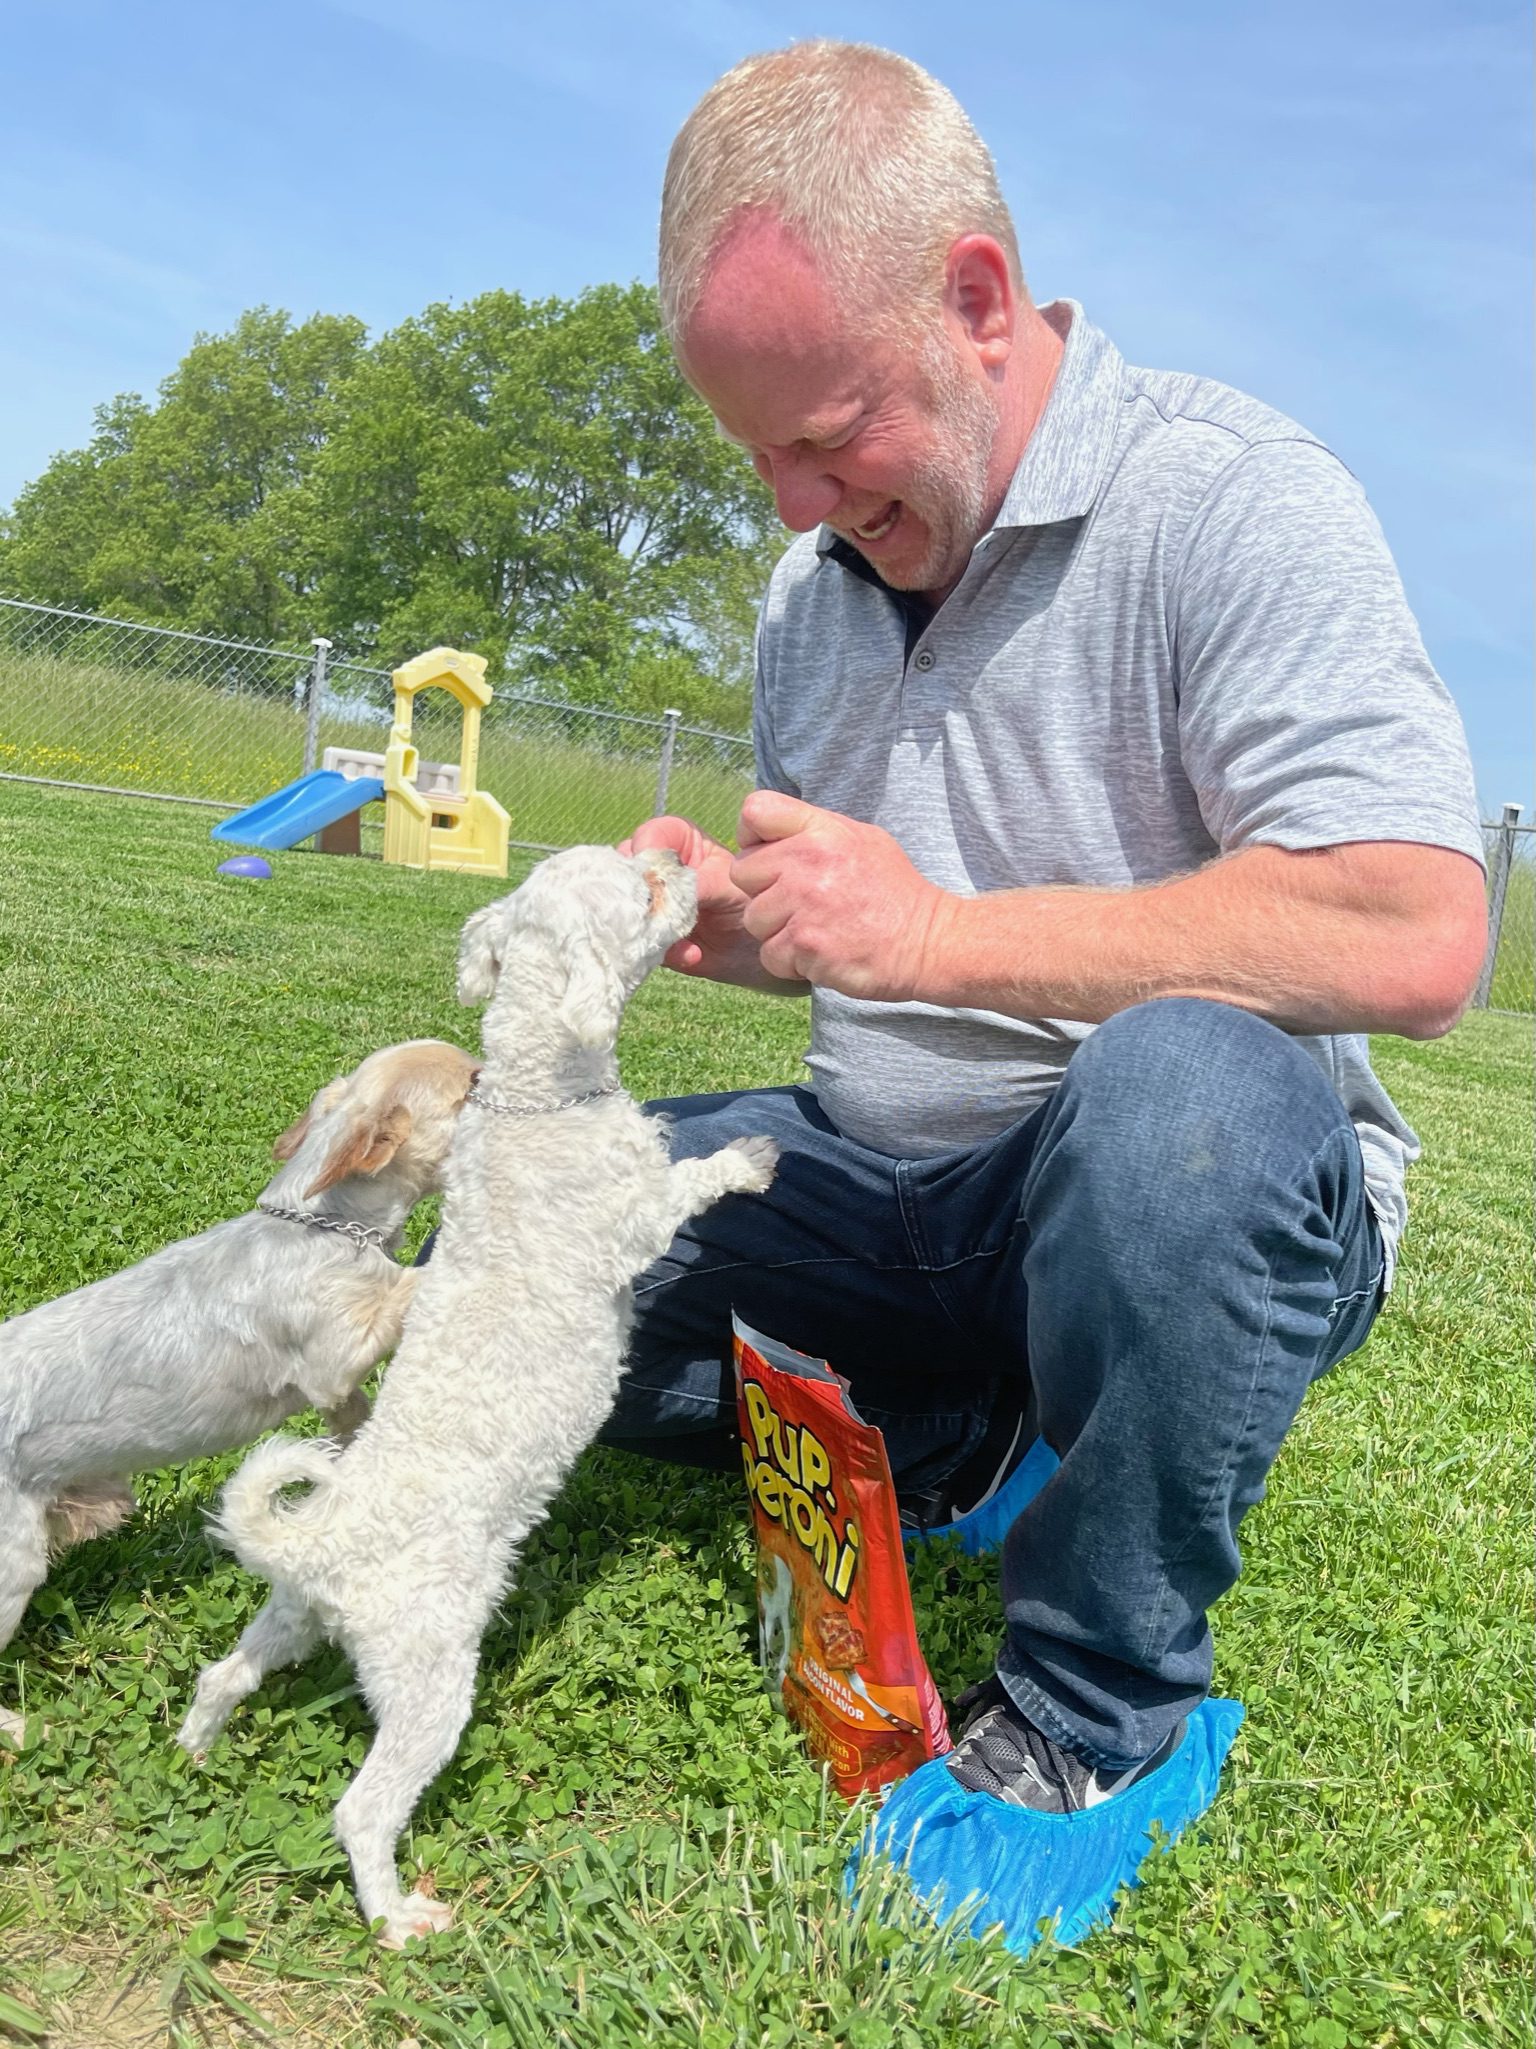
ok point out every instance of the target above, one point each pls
(871, 162)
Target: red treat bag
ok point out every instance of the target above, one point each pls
(835, 1631)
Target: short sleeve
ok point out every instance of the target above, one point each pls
(1309, 712)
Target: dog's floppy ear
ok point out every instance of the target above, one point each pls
(370, 1145)
(593, 1001)
(287, 1145)
(480, 953)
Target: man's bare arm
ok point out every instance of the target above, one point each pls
(1377, 936)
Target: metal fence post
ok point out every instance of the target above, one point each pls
(664, 773)
(1498, 884)
(322, 648)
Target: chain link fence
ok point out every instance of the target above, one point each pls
(103, 704)
(111, 705)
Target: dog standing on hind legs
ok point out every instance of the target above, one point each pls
(559, 1191)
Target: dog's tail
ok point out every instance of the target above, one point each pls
(267, 1534)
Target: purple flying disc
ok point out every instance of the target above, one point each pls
(252, 866)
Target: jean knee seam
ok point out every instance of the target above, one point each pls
(1241, 1436)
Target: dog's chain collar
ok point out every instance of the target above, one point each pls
(506, 1109)
(360, 1234)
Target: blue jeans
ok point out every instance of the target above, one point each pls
(1157, 1261)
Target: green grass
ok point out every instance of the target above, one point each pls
(639, 1849)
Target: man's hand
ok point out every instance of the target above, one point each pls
(719, 948)
(834, 902)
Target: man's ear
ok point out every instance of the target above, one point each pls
(369, 1146)
(979, 290)
(480, 954)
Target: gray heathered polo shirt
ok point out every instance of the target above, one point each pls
(1184, 635)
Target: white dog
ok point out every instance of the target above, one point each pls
(216, 1338)
(559, 1192)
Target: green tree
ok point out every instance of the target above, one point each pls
(534, 479)
(531, 479)
(62, 523)
(190, 512)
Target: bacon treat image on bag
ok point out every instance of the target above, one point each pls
(836, 1637)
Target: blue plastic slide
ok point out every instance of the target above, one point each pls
(298, 809)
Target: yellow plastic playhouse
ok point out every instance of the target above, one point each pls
(456, 824)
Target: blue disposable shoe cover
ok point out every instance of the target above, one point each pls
(983, 1530)
(1009, 1865)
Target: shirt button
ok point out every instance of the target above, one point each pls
(924, 659)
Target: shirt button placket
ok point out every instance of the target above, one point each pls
(920, 697)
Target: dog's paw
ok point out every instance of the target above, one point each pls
(197, 1735)
(13, 1727)
(760, 1157)
(416, 1915)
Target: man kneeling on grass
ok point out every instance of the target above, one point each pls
(1107, 799)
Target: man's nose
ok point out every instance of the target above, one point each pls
(802, 490)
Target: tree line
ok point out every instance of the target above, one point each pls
(528, 478)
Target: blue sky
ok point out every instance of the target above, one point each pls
(1325, 204)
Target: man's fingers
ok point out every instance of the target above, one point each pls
(767, 914)
(781, 958)
(678, 834)
(770, 815)
(755, 871)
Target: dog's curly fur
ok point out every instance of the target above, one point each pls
(511, 1356)
(212, 1340)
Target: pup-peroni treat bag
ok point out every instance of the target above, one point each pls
(836, 1637)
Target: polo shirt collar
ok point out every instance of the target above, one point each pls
(1063, 464)
(1062, 468)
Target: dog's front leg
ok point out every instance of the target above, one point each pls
(388, 1320)
(345, 1420)
(744, 1167)
(23, 1568)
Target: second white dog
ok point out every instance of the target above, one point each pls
(559, 1192)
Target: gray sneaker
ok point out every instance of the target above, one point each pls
(1002, 1753)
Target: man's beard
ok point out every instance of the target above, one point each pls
(949, 488)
